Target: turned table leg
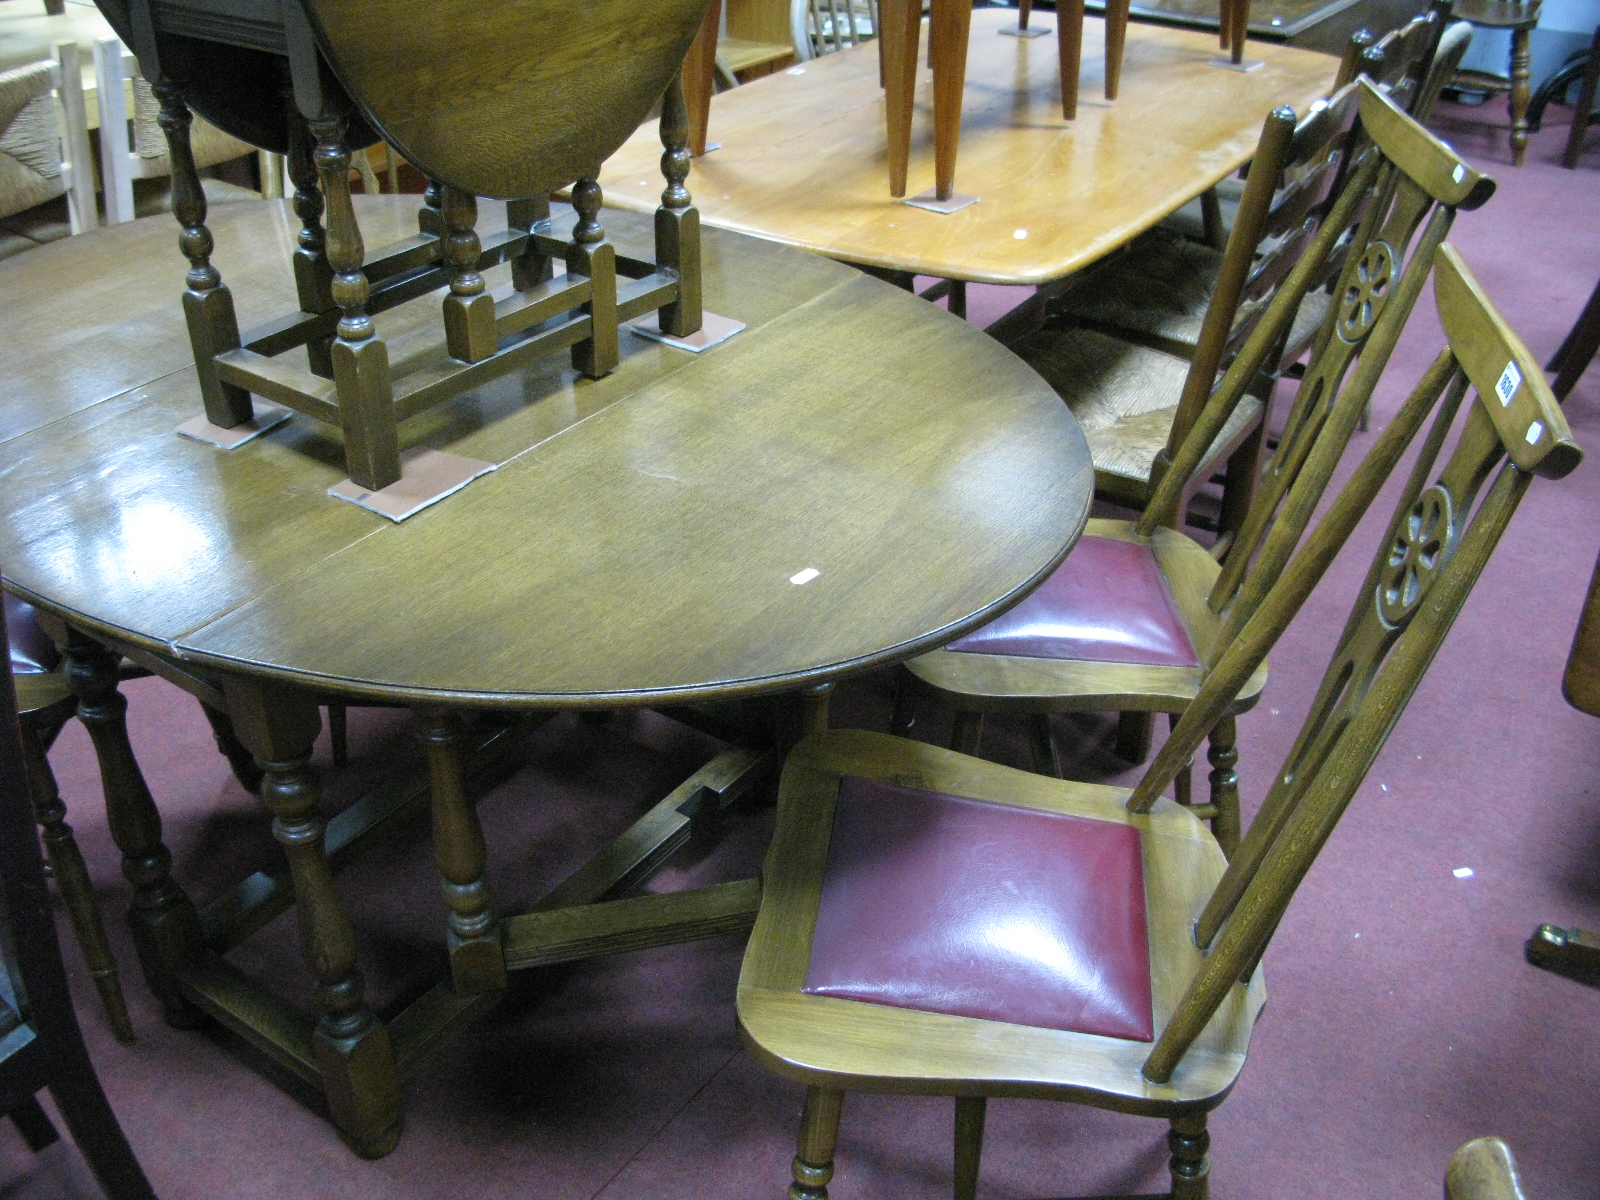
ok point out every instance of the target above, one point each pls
(280, 726)
(166, 928)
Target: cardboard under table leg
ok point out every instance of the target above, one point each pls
(713, 330)
(930, 201)
(426, 477)
(268, 416)
(1032, 31)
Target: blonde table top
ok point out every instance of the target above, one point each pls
(803, 157)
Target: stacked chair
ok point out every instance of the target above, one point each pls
(934, 924)
(1138, 614)
(44, 139)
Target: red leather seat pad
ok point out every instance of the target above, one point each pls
(1106, 603)
(32, 651)
(953, 905)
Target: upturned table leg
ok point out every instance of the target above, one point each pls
(472, 931)
(948, 31)
(902, 29)
(280, 726)
(166, 928)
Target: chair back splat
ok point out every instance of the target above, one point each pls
(1399, 179)
(1436, 545)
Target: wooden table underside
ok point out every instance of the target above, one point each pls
(803, 157)
(634, 547)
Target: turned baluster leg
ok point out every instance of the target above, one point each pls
(948, 29)
(592, 256)
(1069, 49)
(72, 880)
(1520, 72)
(677, 220)
(280, 726)
(468, 310)
(207, 304)
(430, 217)
(1191, 1169)
(819, 1135)
(166, 928)
(1224, 757)
(970, 1114)
(472, 934)
(313, 277)
(360, 358)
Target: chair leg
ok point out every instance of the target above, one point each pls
(970, 1113)
(1183, 782)
(1211, 220)
(1577, 348)
(1046, 755)
(1069, 47)
(34, 1124)
(72, 880)
(339, 734)
(1520, 72)
(232, 749)
(819, 1134)
(904, 716)
(1224, 757)
(1135, 731)
(1191, 1169)
(1580, 114)
(968, 733)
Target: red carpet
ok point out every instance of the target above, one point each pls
(1402, 1022)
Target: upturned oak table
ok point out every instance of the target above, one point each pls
(855, 478)
(803, 155)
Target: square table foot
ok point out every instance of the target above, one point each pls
(713, 330)
(1227, 64)
(930, 201)
(426, 477)
(268, 416)
(1031, 31)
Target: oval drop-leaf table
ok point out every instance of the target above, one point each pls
(855, 478)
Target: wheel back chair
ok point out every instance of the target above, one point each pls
(41, 1045)
(1137, 616)
(1119, 964)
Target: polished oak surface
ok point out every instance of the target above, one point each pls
(639, 537)
(803, 156)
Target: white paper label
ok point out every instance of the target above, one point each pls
(1535, 432)
(1510, 381)
(804, 577)
(1459, 174)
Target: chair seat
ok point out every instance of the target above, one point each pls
(1019, 683)
(32, 650)
(1106, 603)
(1125, 398)
(864, 806)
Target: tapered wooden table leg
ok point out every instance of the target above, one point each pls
(1116, 37)
(700, 77)
(950, 26)
(472, 933)
(1069, 48)
(166, 928)
(902, 30)
(351, 1045)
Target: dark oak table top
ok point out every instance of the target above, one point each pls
(638, 540)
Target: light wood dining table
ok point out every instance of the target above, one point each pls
(803, 157)
(761, 519)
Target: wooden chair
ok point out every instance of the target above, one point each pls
(1583, 110)
(1138, 615)
(1483, 1169)
(126, 159)
(44, 139)
(1577, 349)
(45, 703)
(41, 1045)
(1520, 17)
(821, 27)
(949, 25)
(1119, 966)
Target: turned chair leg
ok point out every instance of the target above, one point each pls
(819, 1134)
(1520, 91)
(1190, 1167)
(1223, 755)
(970, 1113)
(968, 732)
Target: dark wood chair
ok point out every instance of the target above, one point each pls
(1519, 16)
(1119, 966)
(1583, 111)
(1483, 1169)
(1577, 349)
(41, 1045)
(1138, 615)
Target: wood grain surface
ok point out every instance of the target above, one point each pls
(638, 539)
(803, 157)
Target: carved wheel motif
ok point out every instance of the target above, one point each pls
(1364, 299)
(1426, 541)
